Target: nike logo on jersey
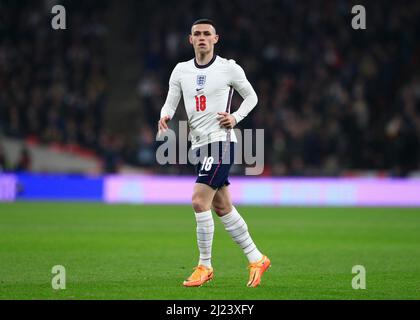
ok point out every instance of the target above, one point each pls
(203, 175)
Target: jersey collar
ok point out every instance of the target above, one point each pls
(205, 65)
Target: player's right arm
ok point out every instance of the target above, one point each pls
(172, 100)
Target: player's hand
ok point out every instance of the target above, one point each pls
(162, 124)
(226, 120)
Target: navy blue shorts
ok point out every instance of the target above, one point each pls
(215, 160)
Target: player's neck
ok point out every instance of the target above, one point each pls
(204, 59)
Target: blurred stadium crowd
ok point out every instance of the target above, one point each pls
(53, 88)
(331, 99)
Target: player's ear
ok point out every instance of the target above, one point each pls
(216, 38)
(190, 39)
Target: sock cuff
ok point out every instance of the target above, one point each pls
(203, 216)
(234, 214)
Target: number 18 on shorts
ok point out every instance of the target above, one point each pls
(214, 165)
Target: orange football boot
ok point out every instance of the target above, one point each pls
(200, 276)
(256, 271)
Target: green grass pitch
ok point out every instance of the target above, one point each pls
(145, 252)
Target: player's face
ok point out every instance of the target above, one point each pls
(203, 38)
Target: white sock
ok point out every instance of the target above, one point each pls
(205, 231)
(238, 229)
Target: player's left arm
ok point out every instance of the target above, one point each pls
(241, 84)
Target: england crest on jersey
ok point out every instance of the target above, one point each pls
(201, 80)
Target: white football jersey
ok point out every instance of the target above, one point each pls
(207, 90)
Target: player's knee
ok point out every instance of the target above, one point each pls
(199, 204)
(222, 208)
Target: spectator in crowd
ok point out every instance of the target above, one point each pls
(24, 162)
(4, 166)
